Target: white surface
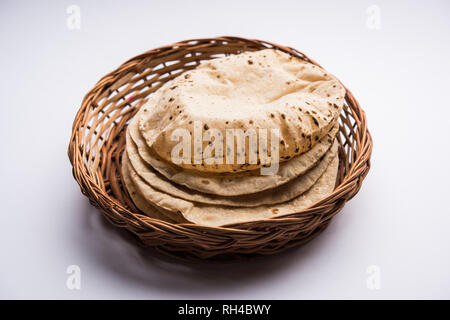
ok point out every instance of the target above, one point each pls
(399, 221)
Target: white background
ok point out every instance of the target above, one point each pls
(399, 221)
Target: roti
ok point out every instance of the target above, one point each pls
(229, 184)
(217, 215)
(260, 93)
(278, 194)
(138, 199)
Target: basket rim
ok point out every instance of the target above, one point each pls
(355, 175)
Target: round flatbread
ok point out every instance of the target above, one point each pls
(256, 92)
(137, 198)
(229, 184)
(278, 194)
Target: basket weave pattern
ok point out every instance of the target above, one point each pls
(98, 141)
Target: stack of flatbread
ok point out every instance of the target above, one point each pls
(186, 160)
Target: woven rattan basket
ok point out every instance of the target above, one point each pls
(97, 143)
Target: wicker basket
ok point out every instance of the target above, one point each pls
(98, 141)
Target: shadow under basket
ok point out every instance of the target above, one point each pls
(98, 141)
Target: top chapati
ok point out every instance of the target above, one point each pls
(266, 89)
